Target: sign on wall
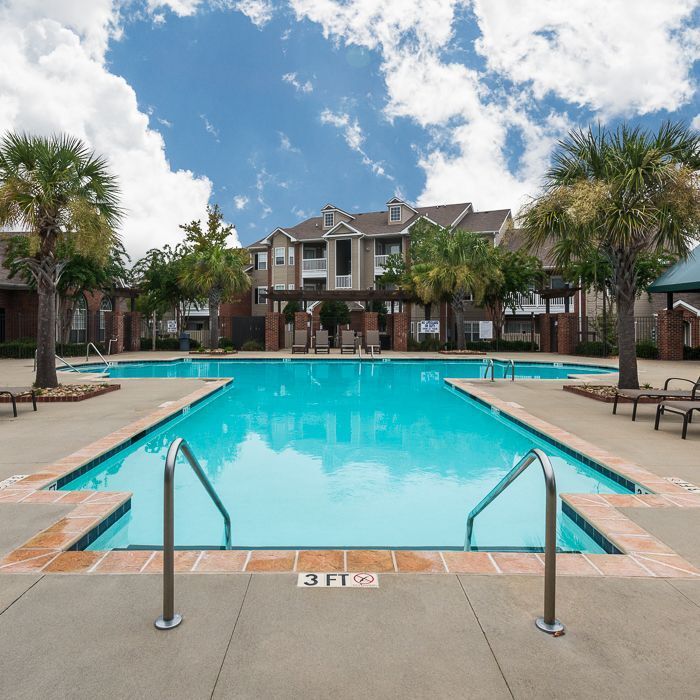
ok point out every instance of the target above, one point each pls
(429, 326)
(171, 326)
(485, 330)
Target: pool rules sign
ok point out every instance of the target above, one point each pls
(360, 579)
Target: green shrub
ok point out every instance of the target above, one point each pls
(225, 343)
(593, 348)
(691, 353)
(502, 345)
(25, 349)
(167, 344)
(647, 350)
(252, 345)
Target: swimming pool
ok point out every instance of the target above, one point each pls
(315, 453)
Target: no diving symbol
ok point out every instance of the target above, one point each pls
(363, 579)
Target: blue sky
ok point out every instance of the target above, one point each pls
(272, 108)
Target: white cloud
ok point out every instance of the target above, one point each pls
(259, 12)
(354, 138)
(286, 144)
(164, 122)
(240, 201)
(54, 78)
(300, 213)
(292, 79)
(209, 127)
(696, 122)
(593, 53)
(604, 54)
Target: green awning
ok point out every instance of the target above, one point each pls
(684, 276)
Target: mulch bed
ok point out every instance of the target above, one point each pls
(66, 393)
(213, 352)
(461, 352)
(601, 392)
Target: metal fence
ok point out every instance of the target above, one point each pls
(595, 329)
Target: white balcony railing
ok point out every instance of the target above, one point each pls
(343, 281)
(534, 303)
(380, 263)
(314, 264)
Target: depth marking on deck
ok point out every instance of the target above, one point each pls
(339, 579)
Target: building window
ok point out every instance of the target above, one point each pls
(279, 256)
(261, 261)
(328, 219)
(261, 295)
(279, 287)
(78, 326)
(471, 331)
(290, 256)
(105, 305)
(395, 213)
(687, 334)
(290, 287)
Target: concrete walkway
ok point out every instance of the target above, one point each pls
(421, 636)
(416, 636)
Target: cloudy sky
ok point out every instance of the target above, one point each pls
(273, 108)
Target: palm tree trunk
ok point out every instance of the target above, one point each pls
(46, 337)
(458, 310)
(624, 285)
(214, 301)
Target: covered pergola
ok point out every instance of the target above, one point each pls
(684, 276)
(350, 295)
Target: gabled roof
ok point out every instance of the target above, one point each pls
(332, 207)
(277, 230)
(514, 239)
(376, 223)
(688, 307)
(396, 200)
(332, 231)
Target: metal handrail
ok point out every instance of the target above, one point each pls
(489, 364)
(548, 622)
(68, 364)
(94, 347)
(170, 618)
(511, 364)
(109, 345)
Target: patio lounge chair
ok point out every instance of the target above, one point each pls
(681, 408)
(372, 342)
(636, 394)
(347, 342)
(301, 342)
(321, 344)
(14, 391)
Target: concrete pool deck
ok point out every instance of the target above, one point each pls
(416, 636)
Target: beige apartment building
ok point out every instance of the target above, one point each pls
(344, 251)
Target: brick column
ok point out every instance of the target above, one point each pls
(670, 334)
(567, 333)
(400, 337)
(135, 332)
(545, 321)
(370, 321)
(114, 328)
(272, 331)
(301, 322)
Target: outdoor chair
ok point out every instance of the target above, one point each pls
(321, 344)
(372, 342)
(301, 342)
(14, 391)
(636, 394)
(347, 342)
(681, 408)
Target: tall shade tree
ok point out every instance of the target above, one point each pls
(213, 269)
(453, 265)
(623, 193)
(58, 191)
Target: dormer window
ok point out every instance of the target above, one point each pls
(328, 219)
(394, 213)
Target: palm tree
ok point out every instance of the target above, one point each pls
(59, 191)
(456, 265)
(214, 270)
(623, 193)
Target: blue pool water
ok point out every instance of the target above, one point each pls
(341, 454)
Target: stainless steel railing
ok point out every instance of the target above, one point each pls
(548, 622)
(510, 365)
(94, 347)
(489, 366)
(170, 618)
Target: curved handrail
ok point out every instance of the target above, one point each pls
(489, 365)
(67, 364)
(170, 618)
(547, 623)
(509, 364)
(94, 347)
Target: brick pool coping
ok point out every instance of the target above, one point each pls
(643, 554)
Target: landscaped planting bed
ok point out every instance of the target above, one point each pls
(66, 392)
(602, 392)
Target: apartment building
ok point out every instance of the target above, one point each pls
(344, 251)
